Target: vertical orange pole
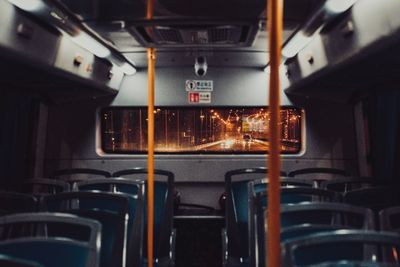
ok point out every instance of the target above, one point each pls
(151, 57)
(150, 155)
(274, 21)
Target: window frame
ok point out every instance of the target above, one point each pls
(103, 152)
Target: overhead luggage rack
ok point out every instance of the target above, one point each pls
(360, 43)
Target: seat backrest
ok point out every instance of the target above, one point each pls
(163, 207)
(332, 171)
(318, 175)
(327, 214)
(43, 186)
(38, 243)
(48, 252)
(7, 261)
(346, 184)
(289, 195)
(236, 207)
(73, 175)
(340, 245)
(109, 209)
(11, 202)
(134, 191)
(375, 198)
(308, 218)
(353, 264)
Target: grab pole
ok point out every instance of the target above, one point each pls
(151, 57)
(274, 22)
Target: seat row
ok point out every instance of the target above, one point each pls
(315, 210)
(118, 204)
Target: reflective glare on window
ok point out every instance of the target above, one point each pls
(198, 130)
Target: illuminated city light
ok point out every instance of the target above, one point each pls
(191, 130)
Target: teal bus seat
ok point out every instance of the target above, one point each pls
(51, 248)
(74, 175)
(375, 198)
(95, 172)
(7, 261)
(111, 210)
(319, 174)
(321, 170)
(48, 252)
(353, 264)
(327, 213)
(164, 234)
(308, 218)
(340, 245)
(134, 191)
(345, 184)
(235, 243)
(258, 201)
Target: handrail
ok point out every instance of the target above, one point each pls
(275, 25)
(151, 57)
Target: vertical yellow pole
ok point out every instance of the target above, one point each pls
(151, 57)
(150, 155)
(274, 22)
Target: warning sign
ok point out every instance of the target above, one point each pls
(199, 97)
(196, 85)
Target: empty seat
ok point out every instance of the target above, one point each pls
(376, 198)
(78, 174)
(42, 186)
(341, 245)
(327, 213)
(134, 191)
(308, 218)
(51, 248)
(318, 174)
(164, 235)
(289, 195)
(7, 261)
(11, 202)
(111, 211)
(353, 264)
(236, 214)
(332, 171)
(346, 184)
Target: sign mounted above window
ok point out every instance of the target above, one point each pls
(198, 86)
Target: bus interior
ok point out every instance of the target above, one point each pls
(74, 140)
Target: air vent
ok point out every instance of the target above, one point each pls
(169, 35)
(219, 35)
(195, 34)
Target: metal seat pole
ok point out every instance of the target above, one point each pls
(151, 56)
(274, 22)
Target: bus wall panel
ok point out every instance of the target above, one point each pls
(72, 132)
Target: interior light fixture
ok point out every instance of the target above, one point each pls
(28, 5)
(295, 44)
(128, 69)
(92, 45)
(339, 6)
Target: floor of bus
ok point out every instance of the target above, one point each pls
(198, 239)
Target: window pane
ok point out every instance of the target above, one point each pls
(198, 130)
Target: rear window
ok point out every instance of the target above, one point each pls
(198, 130)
